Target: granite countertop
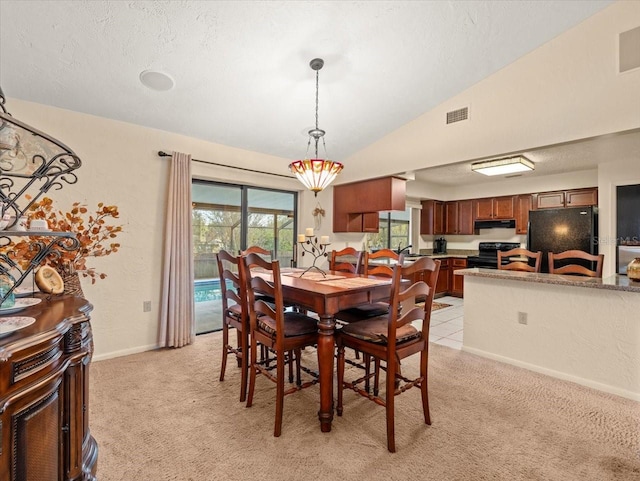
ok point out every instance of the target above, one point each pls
(461, 253)
(615, 282)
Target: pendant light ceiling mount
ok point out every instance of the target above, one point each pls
(316, 174)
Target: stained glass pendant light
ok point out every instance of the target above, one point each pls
(316, 174)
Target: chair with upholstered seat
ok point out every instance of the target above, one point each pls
(235, 314)
(575, 262)
(284, 332)
(520, 265)
(379, 264)
(391, 338)
(345, 260)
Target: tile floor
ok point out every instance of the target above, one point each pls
(446, 324)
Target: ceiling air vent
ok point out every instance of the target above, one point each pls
(629, 50)
(457, 115)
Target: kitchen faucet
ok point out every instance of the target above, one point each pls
(404, 249)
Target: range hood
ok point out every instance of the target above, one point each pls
(493, 224)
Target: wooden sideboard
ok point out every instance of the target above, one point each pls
(44, 395)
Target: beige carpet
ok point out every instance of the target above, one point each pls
(163, 415)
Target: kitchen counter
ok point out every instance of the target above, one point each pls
(615, 282)
(459, 253)
(580, 329)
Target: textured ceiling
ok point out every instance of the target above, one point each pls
(556, 159)
(241, 69)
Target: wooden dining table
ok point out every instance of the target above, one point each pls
(326, 295)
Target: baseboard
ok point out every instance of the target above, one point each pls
(635, 396)
(124, 352)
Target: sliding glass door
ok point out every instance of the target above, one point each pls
(233, 217)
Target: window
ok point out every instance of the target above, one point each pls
(394, 230)
(233, 217)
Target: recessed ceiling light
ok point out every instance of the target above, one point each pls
(156, 80)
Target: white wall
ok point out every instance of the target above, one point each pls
(610, 175)
(567, 89)
(120, 166)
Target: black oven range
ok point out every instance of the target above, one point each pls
(487, 257)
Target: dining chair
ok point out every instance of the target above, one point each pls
(264, 253)
(235, 314)
(345, 260)
(520, 265)
(286, 333)
(379, 264)
(572, 263)
(391, 338)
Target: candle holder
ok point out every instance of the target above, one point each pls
(316, 249)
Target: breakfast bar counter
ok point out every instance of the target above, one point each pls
(580, 329)
(615, 282)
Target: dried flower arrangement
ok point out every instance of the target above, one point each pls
(91, 229)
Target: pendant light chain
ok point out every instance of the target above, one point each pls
(316, 173)
(317, 83)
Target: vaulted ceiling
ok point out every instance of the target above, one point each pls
(241, 68)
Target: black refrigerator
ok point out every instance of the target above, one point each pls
(559, 230)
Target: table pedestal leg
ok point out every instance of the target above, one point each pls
(326, 328)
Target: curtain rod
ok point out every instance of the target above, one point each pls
(164, 154)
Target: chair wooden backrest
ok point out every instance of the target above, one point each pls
(232, 284)
(374, 269)
(573, 268)
(337, 263)
(258, 307)
(520, 265)
(425, 288)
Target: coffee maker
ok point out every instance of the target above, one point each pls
(440, 246)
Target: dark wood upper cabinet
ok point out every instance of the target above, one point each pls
(465, 217)
(524, 203)
(549, 200)
(581, 197)
(458, 217)
(451, 217)
(566, 198)
(494, 208)
(356, 205)
(432, 217)
(483, 209)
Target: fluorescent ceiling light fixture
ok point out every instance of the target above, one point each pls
(509, 165)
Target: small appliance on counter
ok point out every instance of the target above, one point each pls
(440, 246)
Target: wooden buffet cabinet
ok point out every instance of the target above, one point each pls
(44, 395)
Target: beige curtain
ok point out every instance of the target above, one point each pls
(177, 321)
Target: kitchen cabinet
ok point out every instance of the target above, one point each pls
(443, 285)
(494, 208)
(432, 217)
(566, 198)
(356, 206)
(365, 222)
(457, 282)
(524, 203)
(458, 217)
(581, 197)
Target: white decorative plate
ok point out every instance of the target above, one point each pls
(21, 303)
(11, 324)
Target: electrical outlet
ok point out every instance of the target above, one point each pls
(522, 318)
(146, 306)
